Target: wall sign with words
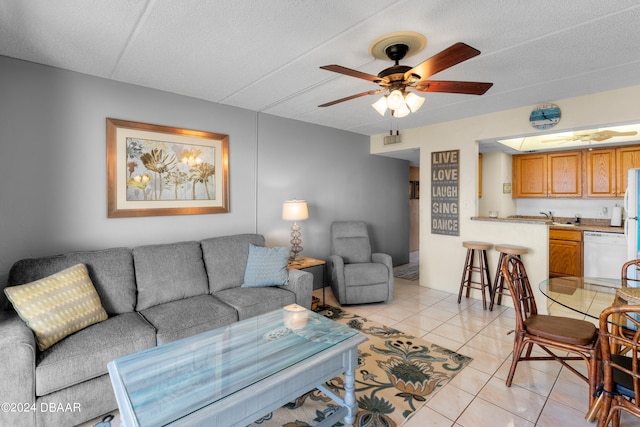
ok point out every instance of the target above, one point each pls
(445, 166)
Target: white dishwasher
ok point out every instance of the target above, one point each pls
(604, 254)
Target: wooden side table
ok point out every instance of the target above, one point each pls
(307, 262)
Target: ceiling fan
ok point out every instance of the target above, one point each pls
(400, 80)
(591, 135)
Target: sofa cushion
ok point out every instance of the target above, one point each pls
(183, 318)
(85, 354)
(169, 272)
(250, 302)
(58, 305)
(266, 267)
(365, 274)
(110, 270)
(226, 258)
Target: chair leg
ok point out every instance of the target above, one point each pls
(498, 283)
(470, 277)
(594, 409)
(465, 273)
(518, 347)
(485, 280)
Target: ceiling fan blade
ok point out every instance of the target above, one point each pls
(352, 73)
(470, 88)
(606, 134)
(449, 57)
(337, 101)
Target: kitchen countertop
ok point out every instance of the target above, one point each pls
(587, 224)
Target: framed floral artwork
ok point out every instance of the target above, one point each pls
(161, 170)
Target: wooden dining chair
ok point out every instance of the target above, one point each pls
(577, 337)
(630, 274)
(621, 372)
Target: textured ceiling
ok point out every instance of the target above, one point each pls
(264, 55)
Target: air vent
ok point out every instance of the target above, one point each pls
(392, 139)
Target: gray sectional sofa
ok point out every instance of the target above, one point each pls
(153, 295)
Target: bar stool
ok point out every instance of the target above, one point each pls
(470, 267)
(499, 287)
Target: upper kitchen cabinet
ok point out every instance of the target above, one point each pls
(543, 175)
(606, 170)
(601, 173)
(626, 158)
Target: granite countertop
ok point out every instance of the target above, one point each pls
(586, 224)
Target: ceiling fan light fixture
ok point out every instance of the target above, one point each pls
(380, 105)
(413, 101)
(395, 100)
(401, 112)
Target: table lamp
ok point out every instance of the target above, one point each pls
(295, 210)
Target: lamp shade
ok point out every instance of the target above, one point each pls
(395, 100)
(295, 210)
(414, 102)
(380, 105)
(401, 112)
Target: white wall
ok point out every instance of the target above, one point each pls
(496, 171)
(441, 257)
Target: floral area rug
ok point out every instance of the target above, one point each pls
(396, 372)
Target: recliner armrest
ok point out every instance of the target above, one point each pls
(388, 261)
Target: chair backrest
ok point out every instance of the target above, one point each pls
(630, 274)
(350, 240)
(620, 329)
(520, 289)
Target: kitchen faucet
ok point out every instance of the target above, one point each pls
(548, 215)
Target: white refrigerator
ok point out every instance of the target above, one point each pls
(631, 208)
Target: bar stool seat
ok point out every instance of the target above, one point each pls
(482, 269)
(499, 288)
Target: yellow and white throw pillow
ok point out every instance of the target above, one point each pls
(59, 305)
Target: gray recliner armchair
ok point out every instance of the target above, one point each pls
(357, 275)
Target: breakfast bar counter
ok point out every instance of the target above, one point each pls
(585, 225)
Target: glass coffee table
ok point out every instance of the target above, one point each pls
(236, 374)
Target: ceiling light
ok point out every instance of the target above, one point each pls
(380, 105)
(414, 102)
(401, 112)
(395, 100)
(400, 103)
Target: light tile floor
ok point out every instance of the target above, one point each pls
(542, 394)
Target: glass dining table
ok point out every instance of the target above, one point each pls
(576, 295)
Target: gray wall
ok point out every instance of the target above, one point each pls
(53, 170)
(340, 180)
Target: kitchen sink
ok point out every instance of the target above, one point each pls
(564, 224)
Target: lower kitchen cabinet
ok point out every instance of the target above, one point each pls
(565, 252)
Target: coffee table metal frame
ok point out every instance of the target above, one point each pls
(250, 402)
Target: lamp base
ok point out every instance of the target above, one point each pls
(295, 243)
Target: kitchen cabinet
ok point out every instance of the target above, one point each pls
(544, 175)
(565, 252)
(606, 170)
(626, 158)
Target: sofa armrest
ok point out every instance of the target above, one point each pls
(300, 283)
(17, 376)
(388, 262)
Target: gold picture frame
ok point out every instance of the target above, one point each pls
(161, 170)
